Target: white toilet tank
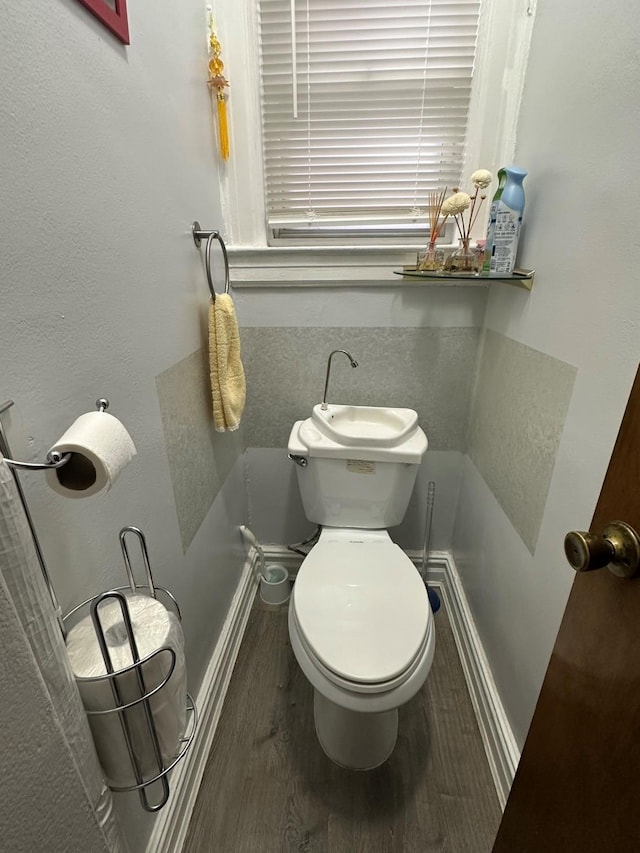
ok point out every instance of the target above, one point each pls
(354, 486)
(356, 493)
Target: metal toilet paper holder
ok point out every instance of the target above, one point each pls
(121, 707)
(56, 460)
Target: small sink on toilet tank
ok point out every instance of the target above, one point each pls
(373, 425)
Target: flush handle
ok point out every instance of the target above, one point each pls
(618, 549)
(302, 461)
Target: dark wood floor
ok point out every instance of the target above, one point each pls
(268, 786)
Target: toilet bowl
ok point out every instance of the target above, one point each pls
(360, 623)
(362, 632)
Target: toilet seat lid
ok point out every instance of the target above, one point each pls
(362, 608)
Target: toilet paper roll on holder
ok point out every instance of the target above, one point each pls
(54, 458)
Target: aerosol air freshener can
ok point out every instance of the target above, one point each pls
(505, 219)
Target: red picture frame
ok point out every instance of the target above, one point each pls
(115, 20)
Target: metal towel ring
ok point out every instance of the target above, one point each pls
(198, 236)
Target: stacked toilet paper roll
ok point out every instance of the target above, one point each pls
(100, 448)
(154, 627)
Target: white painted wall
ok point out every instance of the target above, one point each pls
(396, 306)
(577, 136)
(106, 157)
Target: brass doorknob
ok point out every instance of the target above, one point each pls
(618, 549)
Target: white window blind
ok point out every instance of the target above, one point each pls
(364, 108)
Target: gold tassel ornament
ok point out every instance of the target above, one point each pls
(217, 84)
(223, 128)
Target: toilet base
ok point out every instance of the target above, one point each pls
(352, 739)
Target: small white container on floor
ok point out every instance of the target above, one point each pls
(275, 586)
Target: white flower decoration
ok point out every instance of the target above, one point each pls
(482, 178)
(455, 204)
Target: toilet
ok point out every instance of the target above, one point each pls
(360, 623)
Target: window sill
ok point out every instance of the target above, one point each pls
(329, 266)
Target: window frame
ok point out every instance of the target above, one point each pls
(504, 38)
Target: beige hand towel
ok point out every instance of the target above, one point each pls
(228, 389)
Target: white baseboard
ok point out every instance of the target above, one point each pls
(170, 829)
(284, 557)
(499, 743)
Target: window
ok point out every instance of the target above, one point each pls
(365, 109)
(358, 161)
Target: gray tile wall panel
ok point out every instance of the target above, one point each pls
(199, 457)
(427, 369)
(517, 418)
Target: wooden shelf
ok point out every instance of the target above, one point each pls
(522, 278)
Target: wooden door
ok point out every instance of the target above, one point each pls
(577, 786)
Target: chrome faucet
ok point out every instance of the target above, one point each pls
(354, 363)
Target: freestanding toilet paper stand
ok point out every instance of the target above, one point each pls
(120, 707)
(55, 460)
